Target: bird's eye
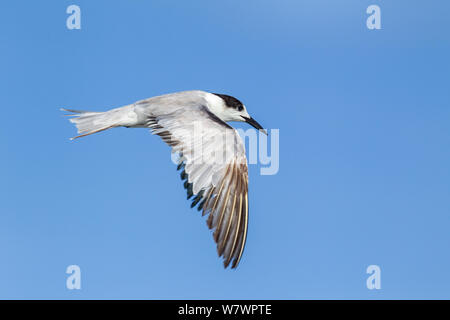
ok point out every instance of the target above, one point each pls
(240, 108)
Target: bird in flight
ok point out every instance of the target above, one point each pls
(211, 154)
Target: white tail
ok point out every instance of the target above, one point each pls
(88, 122)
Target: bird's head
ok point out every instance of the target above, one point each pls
(228, 108)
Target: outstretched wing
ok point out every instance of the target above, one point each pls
(214, 170)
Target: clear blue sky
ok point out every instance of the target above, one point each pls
(364, 119)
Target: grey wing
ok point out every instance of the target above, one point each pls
(214, 170)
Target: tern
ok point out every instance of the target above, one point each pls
(217, 177)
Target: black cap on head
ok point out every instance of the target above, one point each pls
(231, 102)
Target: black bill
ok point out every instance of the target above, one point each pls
(255, 124)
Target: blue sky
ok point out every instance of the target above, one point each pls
(364, 149)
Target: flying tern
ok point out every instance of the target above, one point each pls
(211, 154)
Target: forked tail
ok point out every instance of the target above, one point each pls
(88, 122)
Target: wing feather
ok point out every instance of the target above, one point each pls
(224, 210)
